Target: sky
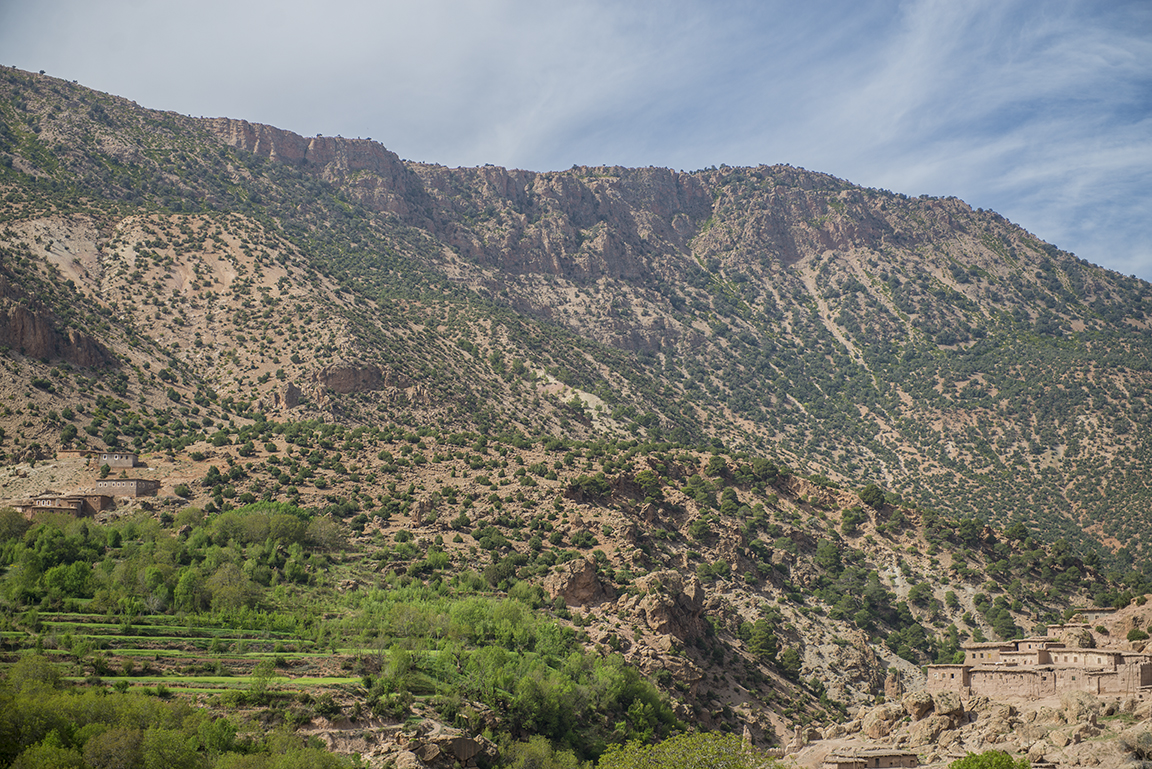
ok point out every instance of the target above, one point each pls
(1038, 109)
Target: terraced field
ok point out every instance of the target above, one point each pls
(189, 658)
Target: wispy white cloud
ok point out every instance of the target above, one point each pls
(1039, 110)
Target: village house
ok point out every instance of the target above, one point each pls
(1095, 613)
(119, 459)
(127, 487)
(75, 504)
(871, 758)
(1031, 668)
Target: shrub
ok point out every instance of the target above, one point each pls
(711, 749)
(989, 759)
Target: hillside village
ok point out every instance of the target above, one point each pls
(1078, 696)
(1088, 655)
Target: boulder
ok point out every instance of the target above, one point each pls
(881, 719)
(1001, 711)
(1078, 638)
(1031, 732)
(918, 704)
(1037, 752)
(948, 704)
(1081, 732)
(406, 759)
(990, 727)
(835, 731)
(979, 704)
(1136, 740)
(1079, 706)
(928, 730)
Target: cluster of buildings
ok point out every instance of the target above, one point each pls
(89, 501)
(1031, 668)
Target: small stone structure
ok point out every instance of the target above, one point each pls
(1094, 613)
(1031, 668)
(874, 758)
(119, 459)
(128, 487)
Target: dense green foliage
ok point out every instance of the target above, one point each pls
(46, 723)
(989, 759)
(711, 750)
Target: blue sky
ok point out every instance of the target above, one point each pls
(1038, 109)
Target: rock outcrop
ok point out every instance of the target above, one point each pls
(374, 174)
(671, 604)
(35, 335)
(881, 720)
(577, 583)
(346, 378)
(919, 704)
(928, 731)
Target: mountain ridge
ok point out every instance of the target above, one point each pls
(774, 305)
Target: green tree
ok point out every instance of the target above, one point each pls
(115, 749)
(33, 669)
(12, 524)
(537, 753)
(49, 754)
(873, 496)
(191, 594)
(828, 556)
(168, 749)
(790, 663)
(261, 679)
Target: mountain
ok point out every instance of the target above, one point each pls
(941, 352)
(775, 439)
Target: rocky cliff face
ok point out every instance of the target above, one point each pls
(36, 334)
(375, 176)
